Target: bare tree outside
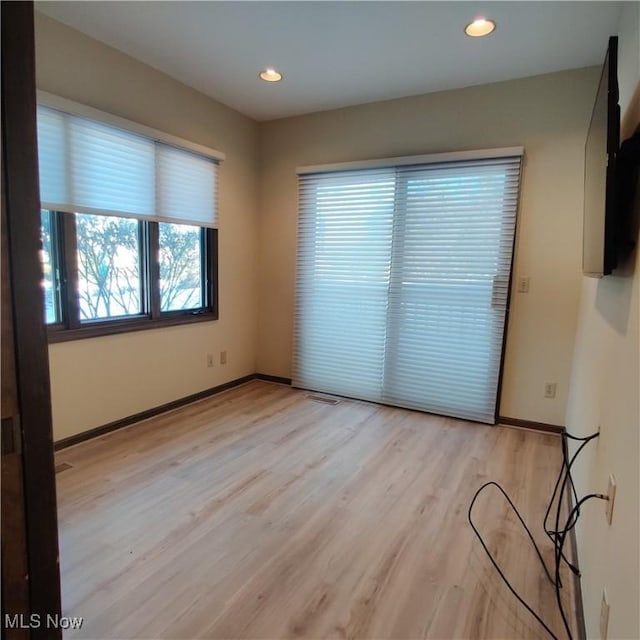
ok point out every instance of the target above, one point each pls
(110, 272)
(108, 266)
(180, 267)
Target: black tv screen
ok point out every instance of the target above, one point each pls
(599, 245)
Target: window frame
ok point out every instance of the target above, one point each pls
(71, 327)
(55, 260)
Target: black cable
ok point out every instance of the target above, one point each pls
(566, 434)
(522, 522)
(495, 564)
(565, 472)
(551, 534)
(563, 534)
(566, 467)
(557, 536)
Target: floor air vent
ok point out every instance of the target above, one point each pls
(63, 466)
(322, 399)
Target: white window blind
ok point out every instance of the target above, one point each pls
(185, 186)
(99, 168)
(402, 283)
(345, 231)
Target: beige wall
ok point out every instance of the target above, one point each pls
(605, 392)
(548, 114)
(100, 380)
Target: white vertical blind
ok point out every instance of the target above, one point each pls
(446, 250)
(92, 167)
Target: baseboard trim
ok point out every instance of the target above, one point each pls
(580, 620)
(528, 424)
(277, 379)
(194, 397)
(577, 581)
(149, 413)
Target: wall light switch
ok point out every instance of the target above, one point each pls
(523, 284)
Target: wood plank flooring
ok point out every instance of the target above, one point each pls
(260, 513)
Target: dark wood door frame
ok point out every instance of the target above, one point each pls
(32, 424)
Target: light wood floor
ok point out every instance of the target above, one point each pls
(260, 513)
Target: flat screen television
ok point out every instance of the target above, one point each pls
(600, 241)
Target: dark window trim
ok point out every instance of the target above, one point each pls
(56, 266)
(72, 328)
(152, 272)
(114, 327)
(68, 263)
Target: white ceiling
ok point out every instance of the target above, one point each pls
(334, 54)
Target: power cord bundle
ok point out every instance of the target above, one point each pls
(557, 535)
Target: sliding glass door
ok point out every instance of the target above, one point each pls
(450, 268)
(402, 283)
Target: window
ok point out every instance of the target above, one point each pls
(181, 255)
(403, 279)
(129, 224)
(51, 272)
(120, 274)
(109, 260)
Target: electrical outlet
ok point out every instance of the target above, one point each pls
(604, 615)
(523, 284)
(223, 357)
(209, 359)
(549, 389)
(611, 495)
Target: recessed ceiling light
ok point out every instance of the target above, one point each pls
(271, 75)
(480, 27)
